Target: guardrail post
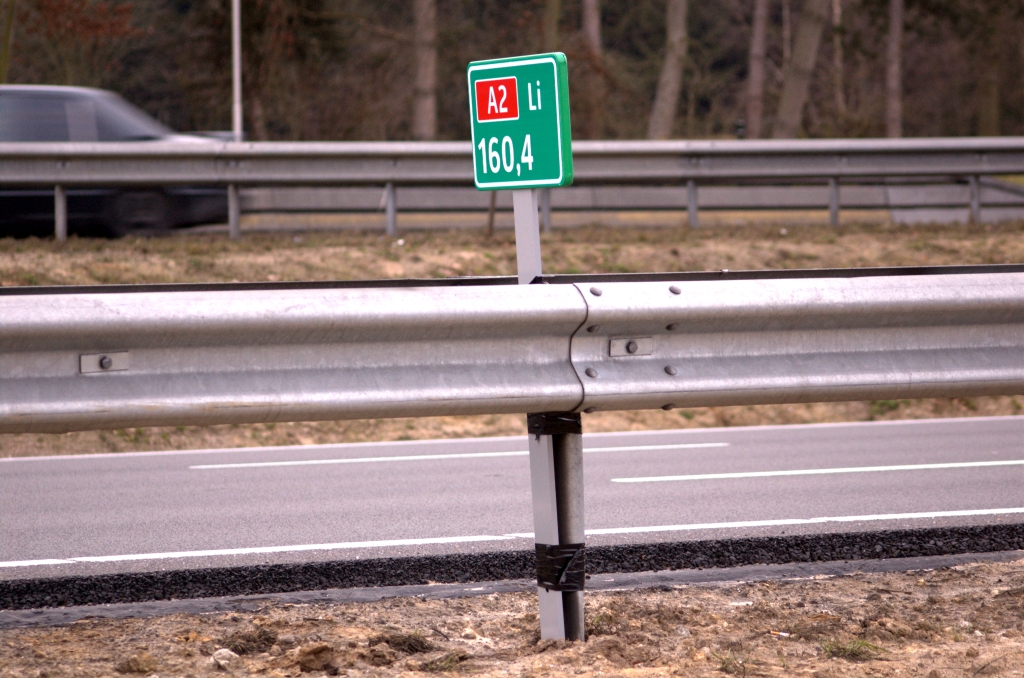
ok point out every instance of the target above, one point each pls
(556, 480)
(972, 181)
(234, 213)
(833, 202)
(691, 203)
(60, 213)
(545, 209)
(390, 211)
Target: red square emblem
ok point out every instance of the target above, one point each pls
(497, 99)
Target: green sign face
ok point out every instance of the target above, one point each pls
(519, 114)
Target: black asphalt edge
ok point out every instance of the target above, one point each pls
(18, 594)
(661, 580)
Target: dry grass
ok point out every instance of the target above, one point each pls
(324, 255)
(961, 621)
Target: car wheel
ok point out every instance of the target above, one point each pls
(138, 212)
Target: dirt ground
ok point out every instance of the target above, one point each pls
(321, 255)
(961, 621)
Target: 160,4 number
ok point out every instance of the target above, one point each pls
(491, 157)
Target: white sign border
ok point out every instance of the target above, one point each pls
(558, 120)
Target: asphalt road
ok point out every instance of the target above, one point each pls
(162, 511)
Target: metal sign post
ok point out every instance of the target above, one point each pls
(519, 113)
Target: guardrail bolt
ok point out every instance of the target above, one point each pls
(675, 290)
(106, 363)
(670, 370)
(631, 346)
(596, 291)
(593, 328)
(668, 407)
(591, 372)
(673, 327)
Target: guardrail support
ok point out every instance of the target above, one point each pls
(545, 209)
(691, 203)
(833, 202)
(556, 480)
(972, 181)
(60, 213)
(390, 211)
(234, 213)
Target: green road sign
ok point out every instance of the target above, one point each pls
(519, 114)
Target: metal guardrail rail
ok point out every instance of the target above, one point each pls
(107, 358)
(390, 164)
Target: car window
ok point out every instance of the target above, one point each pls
(118, 120)
(81, 120)
(32, 118)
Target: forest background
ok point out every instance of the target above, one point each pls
(395, 69)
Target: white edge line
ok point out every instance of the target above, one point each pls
(435, 457)
(821, 471)
(514, 535)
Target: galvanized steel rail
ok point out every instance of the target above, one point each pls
(83, 359)
(390, 164)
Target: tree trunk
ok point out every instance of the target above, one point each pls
(670, 82)
(988, 99)
(894, 72)
(838, 81)
(596, 89)
(424, 108)
(552, 15)
(5, 48)
(787, 34)
(797, 78)
(755, 84)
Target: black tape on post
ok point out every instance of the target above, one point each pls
(561, 567)
(553, 423)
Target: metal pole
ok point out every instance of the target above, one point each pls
(545, 209)
(490, 213)
(390, 211)
(236, 69)
(234, 213)
(691, 203)
(60, 213)
(234, 209)
(833, 202)
(524, 206)
(556, 480)
(975, 199)
(556, 474)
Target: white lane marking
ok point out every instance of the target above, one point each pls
(808, 521)
(430, 457)
(589, 436)
(515, 535)
(259, 550)
(822, 471)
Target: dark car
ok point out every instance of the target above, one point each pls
(49, 113)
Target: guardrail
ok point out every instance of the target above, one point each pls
(108, 357)
(79, 358)
(390, 164)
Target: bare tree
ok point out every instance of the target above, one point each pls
(838, 82)
(424, 109)
(894, 72)
(797, 77)
(552, 15)
(5, 47)
(596, 89)
(755, 78)
(787, 33)
(670, 82)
